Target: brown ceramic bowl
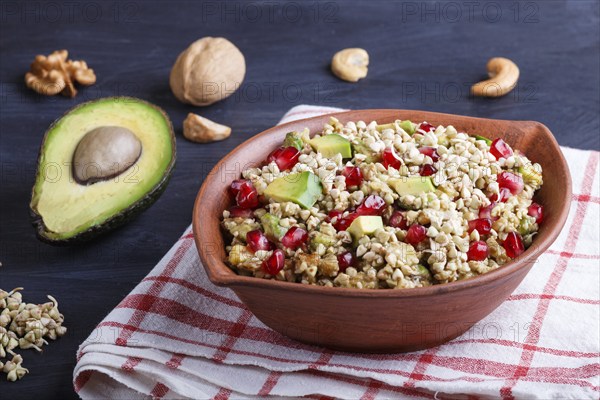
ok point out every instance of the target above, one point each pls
(380, 320)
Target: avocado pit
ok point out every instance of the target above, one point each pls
(105, 152)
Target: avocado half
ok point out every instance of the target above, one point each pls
(66, 211)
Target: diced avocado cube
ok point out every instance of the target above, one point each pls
(240, 230)
(526, 225)
(443, 140)
(292, 139)
(361, 148)
(408, 126)
(365, 225)
(330, 145)
(423, 271)
(405, 205)
(318, 238)
(270, 224)
(414, 185)
(302, 188)
(422, 275)
(486, 140)
(530, 175)
(382, 127)
(239, 254)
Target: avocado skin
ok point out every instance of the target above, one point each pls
(123, 216)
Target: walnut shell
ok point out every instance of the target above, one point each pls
(209, 70)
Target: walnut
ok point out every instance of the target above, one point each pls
(328, 265)
(209, 70)
(305, 260)
(203, 130)
(55, 74)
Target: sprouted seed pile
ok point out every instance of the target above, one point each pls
(25, 326)
(399, 205)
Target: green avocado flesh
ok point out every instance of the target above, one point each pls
(383, 127)
(365, 225)
(330, 145)
(65, 211)
(486, 140)
(530, 174)
(414, 185)
(303, 188)
(292, 139)
(408, 126)
(271, 227)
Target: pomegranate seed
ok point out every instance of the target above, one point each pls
(481, 225)
(431, 152)
(284, 157)
(294, 238)
(512, 182)
(353, 176)
(274, 154)
(372, 205)
(504, 195)
(333, 214)
(344, 222)
(258, 241)
(537, 211)
(235, 186)
(513, 244)
(416, 234)
(426, 127)
(237, 212)
(274, 264)
(397, 220)
(346, 260)
(247, 197)
(486, 212)
(478, 251)
(500, 149)
(427, 170)
(390, 159)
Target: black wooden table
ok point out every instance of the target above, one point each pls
(423, 56)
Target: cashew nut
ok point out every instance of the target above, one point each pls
(350, 64)
(202, 130)
(504, 75)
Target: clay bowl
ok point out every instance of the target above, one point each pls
(379, 320)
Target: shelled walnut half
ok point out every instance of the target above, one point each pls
(56, 74)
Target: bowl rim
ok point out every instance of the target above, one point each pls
(221, 275)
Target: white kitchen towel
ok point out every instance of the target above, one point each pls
(178, 336)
